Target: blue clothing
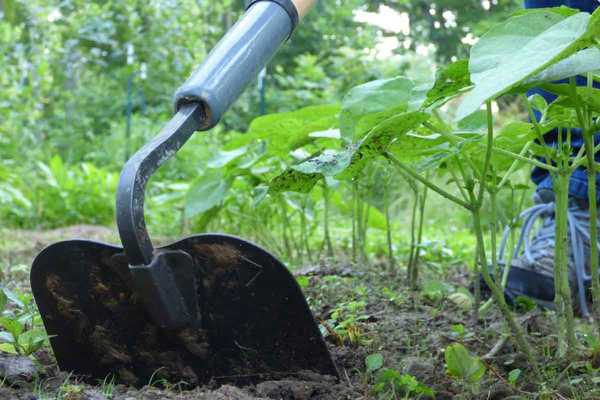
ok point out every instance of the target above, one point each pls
(578, 184)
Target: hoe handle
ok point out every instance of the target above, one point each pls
(200, 102)
(240, 56)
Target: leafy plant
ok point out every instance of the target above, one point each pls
(461, 365)
(514, 375)
(346, 320)
(391, 384)
(21, 323)
(374, 362)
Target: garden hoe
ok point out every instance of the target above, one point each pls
(208, 308)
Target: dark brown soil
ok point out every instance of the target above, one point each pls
(409, 330)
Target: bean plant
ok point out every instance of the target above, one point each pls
(423, 134)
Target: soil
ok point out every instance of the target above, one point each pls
(410, 330)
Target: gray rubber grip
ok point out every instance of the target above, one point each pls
(236, 60)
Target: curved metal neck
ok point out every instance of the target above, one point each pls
(137, 172)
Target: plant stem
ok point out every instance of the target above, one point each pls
(531, 161)
(354, 207)
(514, 166)
(498, 295)
(326, 220)
(591, 149)
(426, 182)
(285, 227)
(593, 209)
(497, 292)
(388, 227)
(365, 229)
(414, 280)
(413, 239)
(561, 260)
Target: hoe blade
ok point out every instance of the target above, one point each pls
(256, 324)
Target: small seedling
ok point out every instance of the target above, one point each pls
(462, 365)
(374, 362)
(21, 323)
(390, 383)
(513, 376)
(459, 331)
(346, 320)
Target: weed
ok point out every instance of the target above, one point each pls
(23, 333)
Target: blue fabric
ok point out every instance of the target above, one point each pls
(583, 5)
(578, 184)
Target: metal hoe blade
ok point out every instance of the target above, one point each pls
(255, 323)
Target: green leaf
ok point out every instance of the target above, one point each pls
(3, 300)
(513, 376)
(348, 163)
(512, 137)
(517, 49)
(32, 340)
(450, 82)
(288, 131)
(476, 122)
(460, 364)
(591, 97)
(292, 180)
(580, 63)
(379, 139)
(225, 157)
(13, 326)
(329, 163)
(373, 97)
(374, 362)
(209, 191)
(6, 337)
(303, 281)
(8, 348)
(14, 298)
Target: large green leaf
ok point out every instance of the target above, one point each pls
(519, 48)
(348, 163)
(208, 192)
(584, 61)
(288, 131)
(379, 139)
(449, 82)
(373, 97)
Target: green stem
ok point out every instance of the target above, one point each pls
(513, 167)
(593, 209)
(388, 227)
(561, 261)
(488, 152)
(460, 187)
(354, 210)
(588, 136)
(498, 295)
(413, 239)
(365, 230)
(426, 182)
(285, 227)
(326, 221)
(531, 161)
(414, 282)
